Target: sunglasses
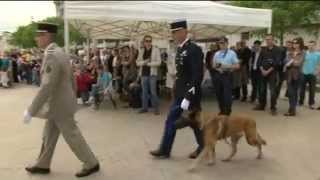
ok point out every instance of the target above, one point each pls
(149, 41)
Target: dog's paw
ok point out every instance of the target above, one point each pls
(260, 156)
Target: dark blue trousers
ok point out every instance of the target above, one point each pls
(223, 84)
(170, 130)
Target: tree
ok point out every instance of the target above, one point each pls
(287, 15)
(24, 36)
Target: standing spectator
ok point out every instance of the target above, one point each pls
(15, 68)
(28, 67)
(236, 76)
(225, 61)
(96, 57)
(209, 56)
(244, 58)
(148, 62)
(104, 57)
(0, 70)
(171, 66)
(294, 68)
(310, 71)
(268, 65)
(117, 71)
(92, 69)
(131, 77)
(36, 72)
(254, 70)
(125, 60)
(5, 65)
(109, 60)
(282, 75)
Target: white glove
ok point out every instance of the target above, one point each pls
(185, 104)
(26, 117)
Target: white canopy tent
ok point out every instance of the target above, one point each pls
(132, 19)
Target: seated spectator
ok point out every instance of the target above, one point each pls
(103, 87)
(134, 95)
(117, 71)
(84, 80)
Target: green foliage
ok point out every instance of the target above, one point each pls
(24, 36)
(287, 15)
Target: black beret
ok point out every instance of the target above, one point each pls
(177, 25)
(47, 27)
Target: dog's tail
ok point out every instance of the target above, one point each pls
(261, 140)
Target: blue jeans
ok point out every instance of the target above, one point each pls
(169, 133)
(35, 77)
(149, 91)
(96, 93)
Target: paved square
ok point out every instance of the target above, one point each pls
(122, 139)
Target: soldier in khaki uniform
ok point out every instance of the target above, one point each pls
(56, 102)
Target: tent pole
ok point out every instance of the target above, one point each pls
(269, 28)
(66, 29)
(88, 46)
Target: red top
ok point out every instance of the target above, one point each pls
(83, 81)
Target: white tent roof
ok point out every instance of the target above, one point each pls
(130, 19)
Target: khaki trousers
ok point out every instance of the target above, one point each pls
(73, 137)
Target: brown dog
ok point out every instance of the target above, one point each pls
(218, 127)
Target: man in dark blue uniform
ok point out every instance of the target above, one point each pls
(189, 64)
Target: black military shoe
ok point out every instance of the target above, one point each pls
(159, 154)
(290, 114)
(37, 170)
(274, 112)
(243, 99)
(87, 172)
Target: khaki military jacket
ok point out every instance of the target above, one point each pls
(56, 97)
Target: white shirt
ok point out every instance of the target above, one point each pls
(256, 57)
